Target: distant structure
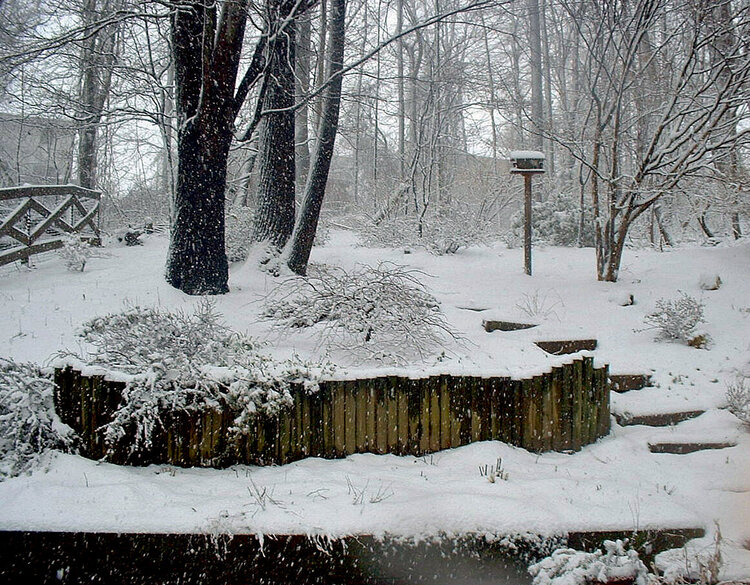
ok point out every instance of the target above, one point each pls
(35, 150)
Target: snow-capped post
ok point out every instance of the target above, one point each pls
(527, 163)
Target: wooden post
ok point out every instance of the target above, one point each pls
(435, 423)
(392, 418)
(339, 418)
(445, 413)
(401, 390)
(380, 404)
(527, 223)
(350, 418)
(422, 391)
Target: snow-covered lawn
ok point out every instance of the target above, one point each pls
(615, 484)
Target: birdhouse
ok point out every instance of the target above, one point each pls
(526, 161)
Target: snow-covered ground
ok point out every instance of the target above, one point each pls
(615, 484)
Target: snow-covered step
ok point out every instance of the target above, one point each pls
(663, 419)
(626, 382)
(685, 448)
(566, 346)
(491, 325)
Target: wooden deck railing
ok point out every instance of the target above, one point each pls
(563, 409)
(41, 214)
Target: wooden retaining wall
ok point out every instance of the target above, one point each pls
(564, 409)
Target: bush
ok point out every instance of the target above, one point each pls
(381, 313)
(187, 362)
(556, 222)
(738, 398)
(677, 320)
(442, 233)
(75, 252)
(395, 232)
(571, 567)
(28, 423)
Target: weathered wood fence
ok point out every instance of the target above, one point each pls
(564, 409)
(41, 213)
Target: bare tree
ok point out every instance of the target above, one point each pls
(275, 204)
(304, 231)
(207, 42)
(690, 125)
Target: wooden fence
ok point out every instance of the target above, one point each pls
(564, 409)
(41, 214)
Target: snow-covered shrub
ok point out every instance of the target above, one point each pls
(456, 228)
(695, 563)
(395, 232)
(567, 566)
(381, 313)
(28, 423)
(540, 304)
(187, 362)
(738, 398)
(238, 227)
(75, 252)
(556, 221)
(129, 236)
(441, 233)
(677, 319)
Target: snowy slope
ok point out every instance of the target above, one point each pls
(616, 483)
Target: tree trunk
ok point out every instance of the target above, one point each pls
(736, 227)
(550, 163)
(535, 60)
(666, 238)
(197, 261)
(616, 248)
(274, 214)
(320, 65)
(97, 61)
(302, 75)
(703, 222)
(304, 232)
(358, 115)
(206, 57)
(400, 90)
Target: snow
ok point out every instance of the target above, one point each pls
(533, 154)
(614, 484)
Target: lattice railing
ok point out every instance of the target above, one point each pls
(34, 218)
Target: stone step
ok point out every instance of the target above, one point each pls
(685, 448)
(627, 382)
(655, 420)
(566, 346)
(648, 543)
(491, 325)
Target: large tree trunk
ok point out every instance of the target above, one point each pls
(304, 232)
(206, 51)
(197, 261)
(274, 214)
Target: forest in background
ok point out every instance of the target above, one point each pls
(215, 118)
